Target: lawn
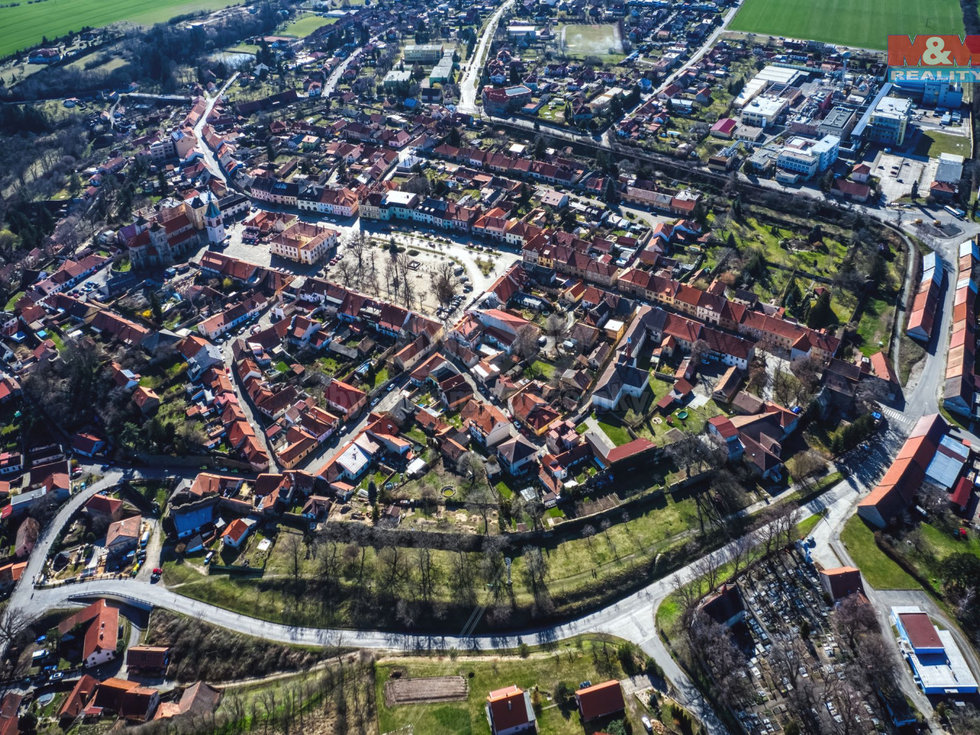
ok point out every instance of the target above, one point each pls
(932, 143)
(380, 378)
(943, 544)
(591, 40)
(860, 23)
(304, 25)
(880, 571)
(591, 658)
(27, 23)
(616, 432)
(874, 326)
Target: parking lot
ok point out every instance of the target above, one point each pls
(897, 174)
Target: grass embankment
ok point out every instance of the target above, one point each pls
(880, 571)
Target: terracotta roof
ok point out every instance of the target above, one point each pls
(600, 700)
(508, 708)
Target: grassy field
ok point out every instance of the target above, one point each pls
(880, 571)
(860, 23)
(932, 143)
(592, 40)
(304, 25)
(26, 24)
(576, 568)
(586, 659)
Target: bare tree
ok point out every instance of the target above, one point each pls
(758, 375)
(738, 552)
(554, 325)
(588, 531)
(805, 466)
(293, 547)
(699, 349)
(720, 657)
(853, 617)
(427, 573)
(535, 567)
(526, 343)
(707, 568)
(443, 282)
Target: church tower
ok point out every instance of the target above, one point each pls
(214, 222)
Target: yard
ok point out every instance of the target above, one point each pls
(880, 571)
(591, 658)
(875, 326)
(928, 546)
(859, 23)
(931, 143)
(25, 24)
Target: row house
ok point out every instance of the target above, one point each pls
(68, 275)
(774, 333)
(342, 202)
(220, 324)
(268, 189)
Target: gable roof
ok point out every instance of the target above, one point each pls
(508, 708)
(600, 700)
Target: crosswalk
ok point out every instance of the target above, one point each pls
(897, 417)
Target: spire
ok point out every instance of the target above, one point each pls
(212, 212)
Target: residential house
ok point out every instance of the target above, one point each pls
(123, 536)
(509, 711)
(598, 701)
(98, 627)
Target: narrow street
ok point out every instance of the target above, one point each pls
(209, 160)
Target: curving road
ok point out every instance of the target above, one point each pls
(630, 618)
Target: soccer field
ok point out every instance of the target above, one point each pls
(25, 25)
(861, 23)
(591, 40)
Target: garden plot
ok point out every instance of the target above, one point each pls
(425, 690)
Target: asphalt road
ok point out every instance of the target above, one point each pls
(474, 69)
(209, 160)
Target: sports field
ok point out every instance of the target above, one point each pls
(304, 25)
(591, 40)
(25, 25)
(860, 23)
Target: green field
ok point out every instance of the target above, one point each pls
(592, 40)
(25, 25)
(304, 25)
(931, 143)
(860, 23)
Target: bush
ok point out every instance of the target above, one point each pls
(524, 650)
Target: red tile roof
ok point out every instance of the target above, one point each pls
(600, 700)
